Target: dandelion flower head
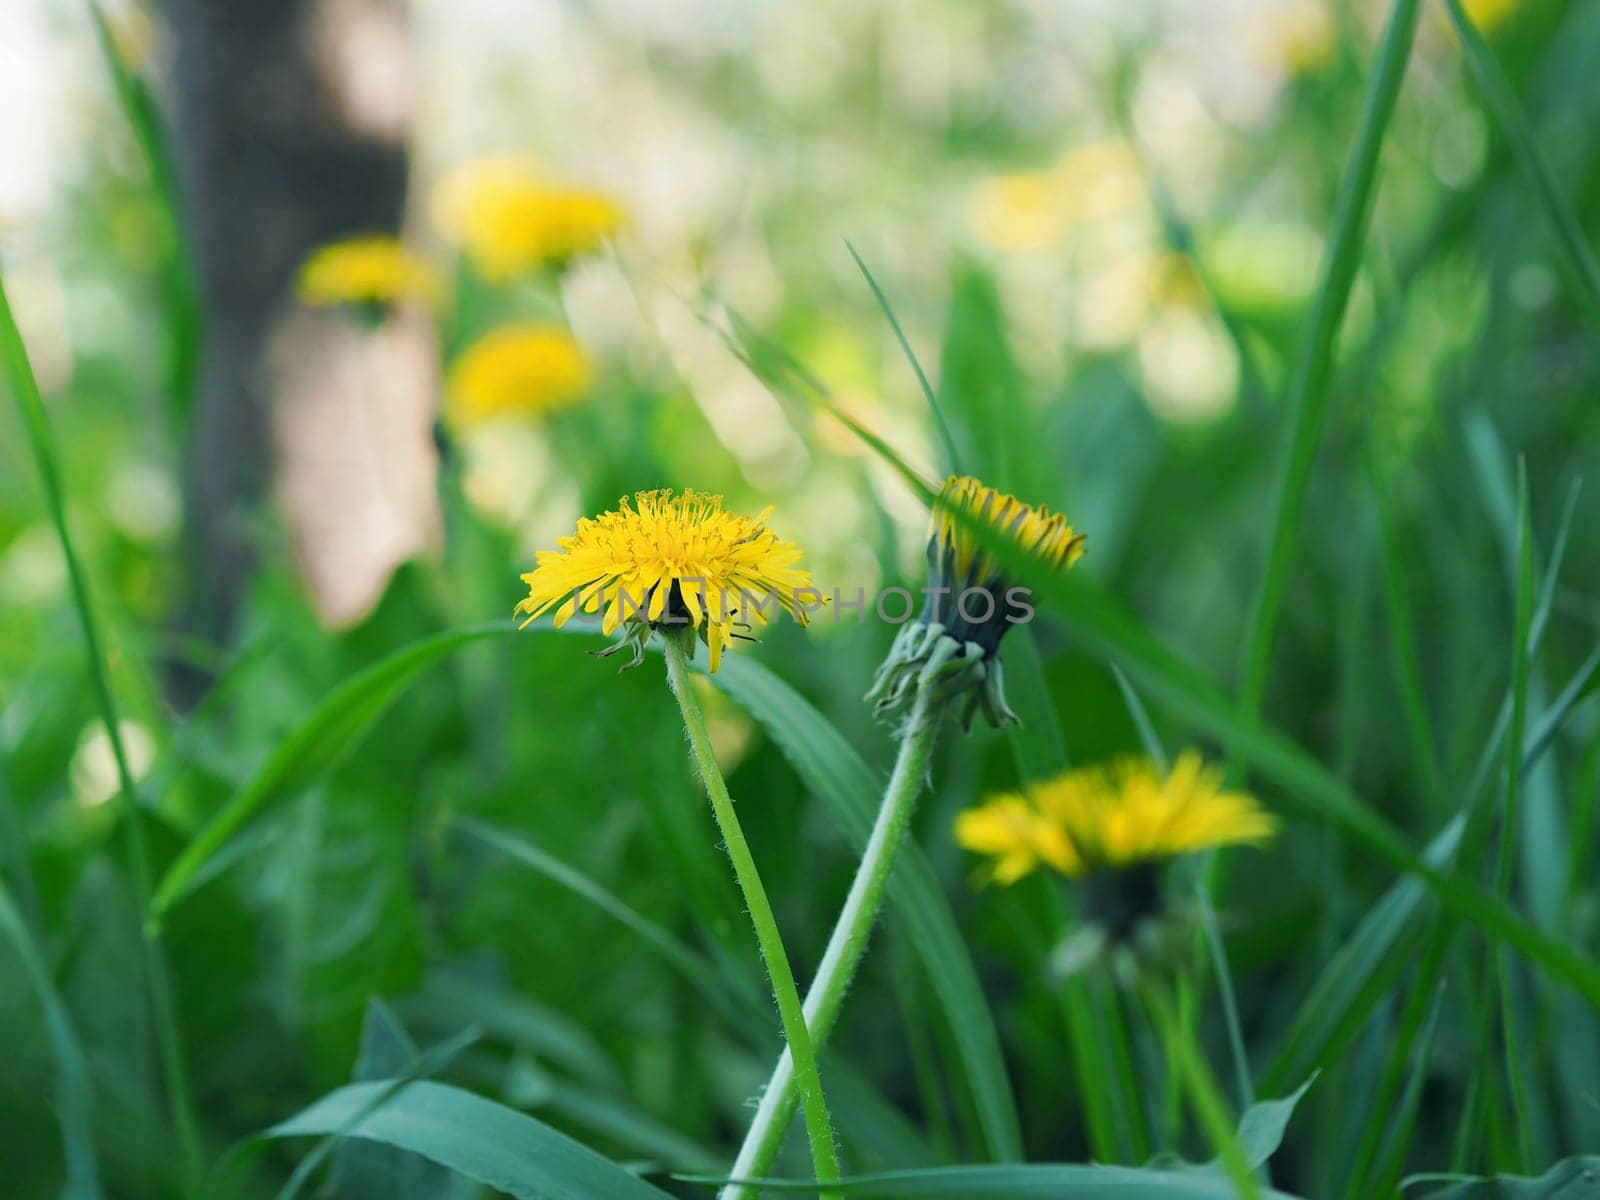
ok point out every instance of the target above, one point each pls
(511, 219)
(1111, 817)
(370, 269)
(524, 369)
(668, 560)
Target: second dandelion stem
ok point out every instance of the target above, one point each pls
(847, 943)
(824, 1155)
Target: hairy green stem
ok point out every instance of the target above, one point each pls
(16, 367)
(1188, 1065)
(819, 1129)
(847, 943)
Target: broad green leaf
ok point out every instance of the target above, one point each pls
(314, 748)
(418, 1067)
(1027, 1181)
(850, 790)
(74, 1096)
(362, 1170)
(1262, 1125)
(491, 1143)
(1570, 1179)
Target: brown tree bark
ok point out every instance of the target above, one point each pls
(292, 120)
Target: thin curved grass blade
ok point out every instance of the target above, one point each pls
(75, 1103)
(313, 749)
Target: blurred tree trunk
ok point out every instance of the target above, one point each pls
(292, 120)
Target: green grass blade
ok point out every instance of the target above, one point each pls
(615, 1120)
(181, 295)
(488, 1142)
(17, 371)
(1402, 639)
(1579, 262)
(850, 791)
(74, 1096)
(1510, 805)
(789, 379)
(1030, 1181)
(1410, 1102)
(1308, 396)
(452, 998)
(1230, 1005)
(313, 748)
(714, 985)
(952, 455)
(1154, 750)
(1108, 1088)
(1572, 1177)
(524, 851)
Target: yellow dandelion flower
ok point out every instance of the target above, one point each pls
(510, 219)
(665, 561)
(526, 369)
(969, 602)
(1017, 836)
(1489, 15)
(958, 560)
(1112, 817)
(368, 269)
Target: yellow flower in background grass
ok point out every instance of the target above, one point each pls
(364, 270)
(665, 561)
(1022, 211)
(1489, 14)
(1111, 817)
(526, 369)
(511, 219)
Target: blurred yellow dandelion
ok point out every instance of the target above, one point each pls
(1489, 14)
(525, 369)
(1111, 816)
(511, 219)
(1022, 211)
(665, 561)
(367, 269)
(1299, 36)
